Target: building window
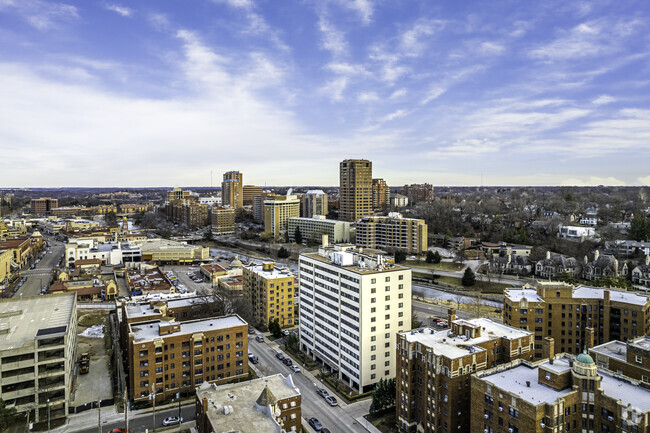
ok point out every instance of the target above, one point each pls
(639, 359)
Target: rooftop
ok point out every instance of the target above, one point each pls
(150, 331)
(22, 319)
(144, 308)
(613, 349)
(245, 416)
(614, 295)
(627, 392)
(276, 272)
(458, 346)
(366, 261)
(517, 295)
(641, 342)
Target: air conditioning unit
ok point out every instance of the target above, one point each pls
(510, 430)
(486, 416)
(610, 418)
(542, 425)
(500, 408)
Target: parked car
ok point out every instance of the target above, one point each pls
(325, 430)
(331, 400)
(287, 361)
(285, 333)
(294, 368)
(254, 359)
(316, 424)
(280, 356)
(171, 420)
(322, 392)
(118, 430)
(259, 339)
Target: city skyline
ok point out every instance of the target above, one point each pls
(122, 94)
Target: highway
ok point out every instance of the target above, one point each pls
(338, 419)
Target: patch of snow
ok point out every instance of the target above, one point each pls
(96, 331)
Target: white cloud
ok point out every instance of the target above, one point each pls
(367, 97)
(593, 181)
(343, 68)
(488, 48)
(434, 93)
(398, 93)
(122, 10)
(334, 89)
(333, 40)
(159, 21)
(394, 115)
(43, 15)
(603, 99)
(411, 41)
(363, 7)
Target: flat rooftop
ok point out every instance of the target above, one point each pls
(388, 267)
(514, 380)
(613, 349)
(517, 295)
(460, 345)
(627, 392)
(614, 295)
(242, 397)
(23, 319)
(276, 272)
(151, 330)
(141, 309)
(641, 342)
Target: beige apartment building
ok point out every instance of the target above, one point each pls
(38, 347)
(250, 191)
(43, 206)
(277, 212)
(166, 357)
(434, 368)
(352, 305)
(271, 292)
(178, 194)
(232, 189)
(392, 232)
(355, 193)
(314, 202)
(312, 229)
(575, 315)
(223, 220)
(559, 394)
(271, 404)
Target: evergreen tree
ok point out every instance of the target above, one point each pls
(283, 253)
(430, 256)
(469, 279)
(298, 236)
(638, 227)
(275, 329)
(400, 256)
(383, 397)
(436, 257)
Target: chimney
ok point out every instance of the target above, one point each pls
(589, 337)
(606, 297)
(548, 348)
(596, 255)
(325, 241)
(586, 260)
(451, 316)
(647, 260)
(548, 255)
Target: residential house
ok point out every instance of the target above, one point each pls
(555, 264)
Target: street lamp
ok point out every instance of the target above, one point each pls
(48, 415)
(153, 396)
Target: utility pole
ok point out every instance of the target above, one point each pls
(48, 415)
(153, 395)
(178, 395)
(99, 416)
(126, 412)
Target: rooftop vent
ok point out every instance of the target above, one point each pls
(528, 383)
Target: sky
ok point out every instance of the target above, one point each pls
(175, 93)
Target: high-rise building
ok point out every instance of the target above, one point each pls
(277, 211)
(258, 206)
(195, 215)
(223, 220)
(314, 202)
(434, 368)
(43, 206)
(178, 194)
(38, 354)
(576, 317)
(380, 194)
(560, 394)
(352, 305)
(418, 192)
(166, 357)
(232, 189)
(271, 293)
(250, 191)
(355, 193)
(392, 232)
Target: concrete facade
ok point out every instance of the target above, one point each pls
(355, 193)
(392, 233)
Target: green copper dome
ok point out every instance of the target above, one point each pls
(584, 358)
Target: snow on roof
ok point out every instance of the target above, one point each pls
(514, 381)
(641, 343)
(627, 392)
(588, 292)
(150, 331)
(459, 345)
(517, 295)
(614, 349)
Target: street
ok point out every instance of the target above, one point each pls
(41, 275)
(338, 419)
(139, 423)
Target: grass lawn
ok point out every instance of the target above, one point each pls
(386, 423)
(479, 286)
(442, 266)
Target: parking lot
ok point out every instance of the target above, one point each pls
(181, 273)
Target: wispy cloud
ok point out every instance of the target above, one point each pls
(367, 97)
(413, 41)
(603, 99)
(257, 24)
(122, 10)
(334, 89)
(333, 40)
(364, 8)
(43, 15)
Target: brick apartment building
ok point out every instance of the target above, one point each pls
(434, 370)
(43, 206)
(166, 357)
(631, 359)
(569, 315)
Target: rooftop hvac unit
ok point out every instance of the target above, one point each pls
(500, 408)
(486, 416)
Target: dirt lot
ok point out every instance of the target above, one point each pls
(97, 383)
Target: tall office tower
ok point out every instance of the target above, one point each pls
(232, 189)
(249, 192)
(355, 194)
(380, 194)
(352, 306)
(277, 211)
(314, 202)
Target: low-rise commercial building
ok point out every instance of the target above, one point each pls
(166, 357)
(312, 229)
(576, 316)
(147, 279)
(109, 253)
(270, 291)
(38, 343)
(20, 249)
(434, 369)
(271, 404)
(398, 201)
(352, 304)
(5, 265)
(560, 394)
(392, 232)
(163, 251)
(223, 220)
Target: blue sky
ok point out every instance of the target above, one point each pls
(161, 92)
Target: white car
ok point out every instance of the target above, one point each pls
(294, 368)
(171, 420)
